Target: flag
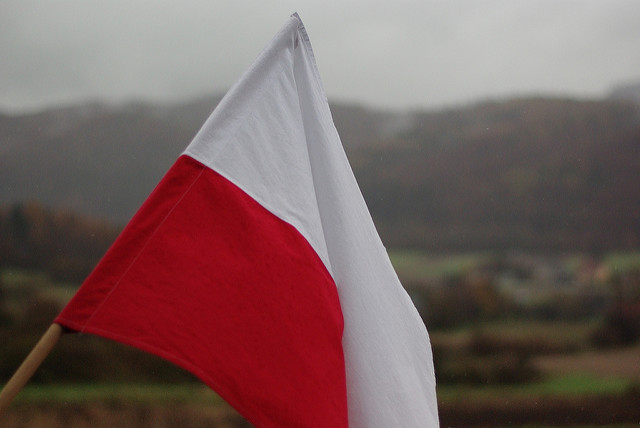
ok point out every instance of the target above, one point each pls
(255, 265)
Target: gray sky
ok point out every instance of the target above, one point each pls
(400, 53)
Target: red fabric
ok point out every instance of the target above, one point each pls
(207, 278)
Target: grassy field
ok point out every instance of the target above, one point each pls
(566, 334)
(622, 363)
(195, 393)
(420, 266)
(621, 262)
(560, 386)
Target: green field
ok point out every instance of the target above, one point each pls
(196, 393)
(417, 265)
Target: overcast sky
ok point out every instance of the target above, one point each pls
(399, 54)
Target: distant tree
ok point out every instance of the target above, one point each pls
(63, 244)
(621, 324)
(4, 317)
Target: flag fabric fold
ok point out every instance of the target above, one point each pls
(255, 265)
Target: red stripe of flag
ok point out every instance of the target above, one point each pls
(258, 317)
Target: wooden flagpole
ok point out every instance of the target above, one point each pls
(30, 365)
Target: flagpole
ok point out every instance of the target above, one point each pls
(30, 365)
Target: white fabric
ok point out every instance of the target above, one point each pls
(273, 136)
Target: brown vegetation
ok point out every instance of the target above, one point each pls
(61, 243)
(623, 363)
(122, 415)
(544, 411)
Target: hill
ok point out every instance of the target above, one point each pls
(626, 92)
(549, 174)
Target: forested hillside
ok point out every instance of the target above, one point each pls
(548, 174)
(532, 174)
(62, 244)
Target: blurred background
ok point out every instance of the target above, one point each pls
(497, 145)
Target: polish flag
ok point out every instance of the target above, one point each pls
(255, 265)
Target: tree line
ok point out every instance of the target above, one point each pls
(63, 244)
